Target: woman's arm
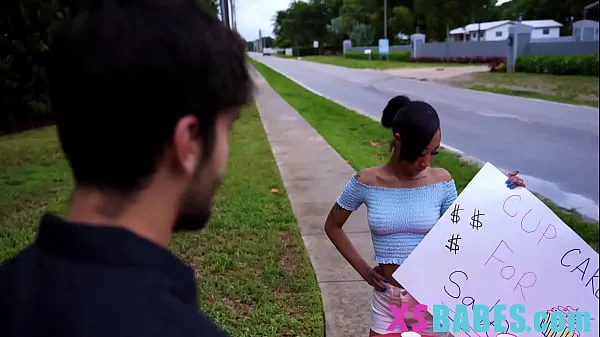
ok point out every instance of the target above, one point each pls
(333, 227)
(350, 200)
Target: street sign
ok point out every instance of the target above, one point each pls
(315, 44)
(346, 45)
(384, 47)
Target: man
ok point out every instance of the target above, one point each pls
(145, 93)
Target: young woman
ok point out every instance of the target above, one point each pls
(404, 199)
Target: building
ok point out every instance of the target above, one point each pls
(586, 30)
(498, 30)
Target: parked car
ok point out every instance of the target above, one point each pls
(267, 51)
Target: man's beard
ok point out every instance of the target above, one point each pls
(192, 221)
(195, 211)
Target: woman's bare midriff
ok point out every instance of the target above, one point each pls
(387, 270)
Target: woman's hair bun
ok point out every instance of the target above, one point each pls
(392, 108)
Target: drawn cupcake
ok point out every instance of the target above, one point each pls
(565, 313)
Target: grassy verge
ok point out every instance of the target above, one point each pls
(254, 277)
(364, 143)
(34, 179)
(373, 64)
(582, 90)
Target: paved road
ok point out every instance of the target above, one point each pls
(555, 146)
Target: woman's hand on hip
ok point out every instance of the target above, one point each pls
(374, 278)
(514, 180)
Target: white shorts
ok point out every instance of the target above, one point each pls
(382, 316)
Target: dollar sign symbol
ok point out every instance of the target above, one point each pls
(475, 222)
(454, 217)
(453, 241)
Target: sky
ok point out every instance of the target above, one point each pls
(253, 15)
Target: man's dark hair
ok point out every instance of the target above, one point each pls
(123, 72)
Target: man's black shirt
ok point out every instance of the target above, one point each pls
(91, 281)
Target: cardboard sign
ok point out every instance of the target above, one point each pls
(496, 246)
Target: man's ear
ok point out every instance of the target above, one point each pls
(186, 145)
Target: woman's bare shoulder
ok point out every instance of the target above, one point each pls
(369, 176)
(440, 174)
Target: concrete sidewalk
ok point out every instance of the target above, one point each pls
(314, 175)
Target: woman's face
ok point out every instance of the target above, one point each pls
(424, 160)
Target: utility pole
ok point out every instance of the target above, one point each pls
(385, 19)
(225, 13)
(222, 10)
(233, 20)
(260, 41)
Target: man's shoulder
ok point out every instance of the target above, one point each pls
(150, 308)
(17, 264)
(182, 319)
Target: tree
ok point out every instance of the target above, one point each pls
(337, 30)
(558, 10)
(282, 37)
(301, 24)
(27, 28)
(362, 34)
(436, 17)
(330, 21)
(401, 20)
(359, 11)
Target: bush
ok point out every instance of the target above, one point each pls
(324, 50)
(493, 61)
(558, 64)
(399, 56)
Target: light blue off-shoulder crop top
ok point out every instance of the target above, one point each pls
(399, 218)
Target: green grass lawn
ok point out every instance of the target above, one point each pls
(375, 63)
(582, 90)
(254, 277)
(364, 143)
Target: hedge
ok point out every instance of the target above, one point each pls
(558, 64)
(404, 56)
(491, 60)
(399, 56)
(323, 50)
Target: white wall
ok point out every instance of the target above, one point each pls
(497, 33)
(491, 34)
(538, 33)
(473, 35)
